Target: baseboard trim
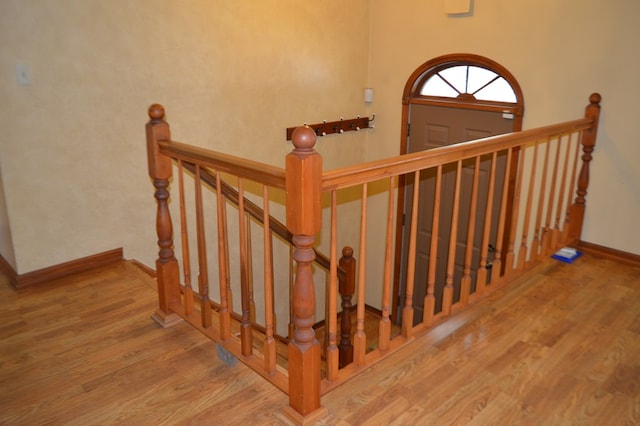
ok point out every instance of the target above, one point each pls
(144, 268)
(61, 270)
(609, 253)
(8, 271)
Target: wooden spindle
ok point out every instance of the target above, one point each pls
(481, 275)
(524, 243)
(465, 283)
(304, 221)
(536, 244)
(509, 258)
(360, 337)
(384, 328)
(186, 262)
(160, 171)
(430, 298)
(347, 288)
(269, 315)
(407, 311)
(556, 240)
(203, 274)
(548, 244)
(572, 184)
(447, 294)
(588, 144)
(227, 256)
(496, 270)
(252, 302)
(223, 262)
(246, 333)
(333, 353)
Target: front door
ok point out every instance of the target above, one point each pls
(447, 100)
(433, 127)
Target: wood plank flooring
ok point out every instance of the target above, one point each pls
(560, 348)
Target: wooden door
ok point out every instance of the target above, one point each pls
(432, 127)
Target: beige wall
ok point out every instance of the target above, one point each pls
(560, 52)
(233, 75)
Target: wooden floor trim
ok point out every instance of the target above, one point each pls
(8, 270)
(144, 268)
(610, 254)
(61, 270)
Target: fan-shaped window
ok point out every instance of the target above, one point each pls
(468, 81)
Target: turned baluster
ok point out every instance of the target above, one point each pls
(500, 248)
(447, 294)
(524, 242)
(510, 265)
(160, 170)
(245, 327)
(304, 220)
(548, 245)
(588, 143)
(465, 283)
(347, 286)
(429, 298)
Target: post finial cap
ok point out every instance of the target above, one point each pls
(156, 112)
(303, 138)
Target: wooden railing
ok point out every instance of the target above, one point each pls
(509, 205)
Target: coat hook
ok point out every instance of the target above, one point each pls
(373, 117)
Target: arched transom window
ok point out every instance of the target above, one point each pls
(468, 81)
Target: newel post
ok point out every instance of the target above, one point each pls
(304, 220)
(588, 143)
(160, 170)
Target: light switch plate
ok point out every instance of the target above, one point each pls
(23, 75)
(456, 7)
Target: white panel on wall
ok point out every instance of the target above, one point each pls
(454, 7)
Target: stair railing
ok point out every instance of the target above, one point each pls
(535, 216)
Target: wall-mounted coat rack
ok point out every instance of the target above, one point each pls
(340, 126)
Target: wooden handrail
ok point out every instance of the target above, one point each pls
(402, 164)
(237, 166)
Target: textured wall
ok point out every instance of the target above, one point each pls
(233, 75)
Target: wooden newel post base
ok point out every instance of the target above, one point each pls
(304, 220)
(160, 170)
(304, 349)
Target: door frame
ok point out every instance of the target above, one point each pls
(411, 95)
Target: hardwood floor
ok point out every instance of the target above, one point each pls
(561, 348)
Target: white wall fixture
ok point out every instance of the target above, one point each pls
(457, 7)
(23, 75)
(368, 95)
